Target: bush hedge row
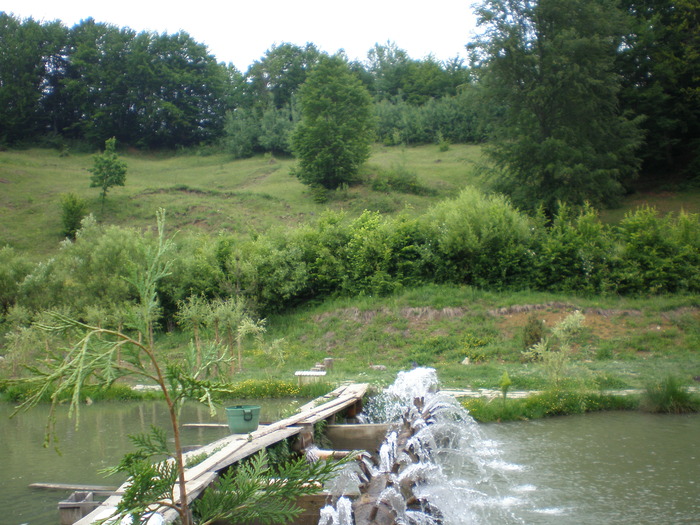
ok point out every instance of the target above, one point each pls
(473, 239)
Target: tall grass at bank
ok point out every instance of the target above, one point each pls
(546, 404)
(269, 388)
(668, 396)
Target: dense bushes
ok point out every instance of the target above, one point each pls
(473, 239)
(452, 118)
(480, 240)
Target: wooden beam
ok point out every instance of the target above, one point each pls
(73, 487)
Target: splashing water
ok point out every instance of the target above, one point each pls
(340, 515)
(446, 464)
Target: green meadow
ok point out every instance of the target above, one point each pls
(471, 335)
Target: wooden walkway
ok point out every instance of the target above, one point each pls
(231, 449)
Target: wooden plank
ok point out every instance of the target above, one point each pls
(350, 397)
(219, 459)
(72, 487)
(204, 425)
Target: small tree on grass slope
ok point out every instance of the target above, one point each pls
(108, 170)
(333, 138)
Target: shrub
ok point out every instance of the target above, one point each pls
(93, 270)
(534, 331)
(74, 210)
(241, 129)
(13, 269)
(669, 397)
(384, 255)
(575, 253)
(479, 239)
(659, 255)
(399, 178)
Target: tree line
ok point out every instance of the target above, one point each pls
(94, 81)
(573, 100)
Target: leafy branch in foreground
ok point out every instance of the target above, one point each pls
(254, 491)
(151, 482)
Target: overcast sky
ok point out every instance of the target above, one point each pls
(241, 31)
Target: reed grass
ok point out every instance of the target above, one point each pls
(669, 396)
(546, 404)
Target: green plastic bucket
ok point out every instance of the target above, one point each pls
(243, 419)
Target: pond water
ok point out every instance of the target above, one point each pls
(613, 468)
(607, 468)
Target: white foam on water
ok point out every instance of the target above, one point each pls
(520, 489)
(553, 511)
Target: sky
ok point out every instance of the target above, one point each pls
(239, 32)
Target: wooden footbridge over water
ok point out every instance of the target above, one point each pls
(236, 447)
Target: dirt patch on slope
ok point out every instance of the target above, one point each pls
(604, 323)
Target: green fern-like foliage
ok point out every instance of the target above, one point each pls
(256, 491)
(151, 482)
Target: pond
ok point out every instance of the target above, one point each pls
(622, 468)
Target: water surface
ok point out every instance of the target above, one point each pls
(613, 468)
(608, 468)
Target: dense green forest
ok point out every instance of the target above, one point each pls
(608, 84)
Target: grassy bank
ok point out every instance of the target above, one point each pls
(624, 342)
(668, 396)
(471, 337)
(208, 194)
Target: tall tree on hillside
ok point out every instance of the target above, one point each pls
(660, 66)
(145, 89)
(333, 138)
(95, 87)
(277, 76)
(547, 72)
(388, 65)
(178, 92)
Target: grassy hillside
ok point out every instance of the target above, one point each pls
(211, 193)
(203, 193)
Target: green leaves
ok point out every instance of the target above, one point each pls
(151, 482)
(334, 135)
(550, 94)
(108, 170)
(254, 491)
